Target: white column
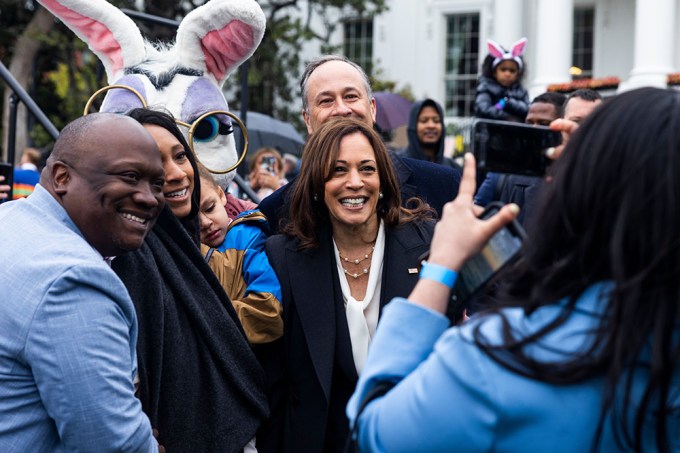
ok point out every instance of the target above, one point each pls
(507, 22)
(553, 43)
(654, 41)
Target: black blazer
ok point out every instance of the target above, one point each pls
(434, 183)
(302, 368)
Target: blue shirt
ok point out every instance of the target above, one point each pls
(451, 396)
(68, 335)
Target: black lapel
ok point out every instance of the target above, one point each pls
(404, 244)
(311, 279)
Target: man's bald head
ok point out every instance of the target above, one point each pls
(107, 173)
(79, 139)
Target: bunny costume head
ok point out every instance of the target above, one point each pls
(500, 54)
(185, 77)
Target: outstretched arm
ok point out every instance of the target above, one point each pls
(411, 350)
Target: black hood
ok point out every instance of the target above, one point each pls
(414, 149)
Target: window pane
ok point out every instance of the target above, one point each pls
(358, 43)
(582, 55)
(462, 56)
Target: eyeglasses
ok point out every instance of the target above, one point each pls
(200, 133)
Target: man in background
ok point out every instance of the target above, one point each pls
(332, 86)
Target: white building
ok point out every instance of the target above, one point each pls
(436, 46)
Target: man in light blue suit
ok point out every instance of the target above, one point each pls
(68, 329)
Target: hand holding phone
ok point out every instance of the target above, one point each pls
(480, 270)
(268, 163)
(507, 147)
(458, 236)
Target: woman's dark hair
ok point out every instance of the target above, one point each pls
(609, 215)
(165, 120)
(488, 68)
(307, 208)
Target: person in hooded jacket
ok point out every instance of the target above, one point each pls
(500, 94)
(426, 134)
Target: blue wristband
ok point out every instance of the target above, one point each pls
(438, 273)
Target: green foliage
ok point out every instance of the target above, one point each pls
(67, 73)
(14, 15)
(273, 80)
(378, 83)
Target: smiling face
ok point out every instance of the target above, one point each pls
(351, 192)
(213, 217)
(429, 126)
(115, 196)
(179, 174)
(336, 89)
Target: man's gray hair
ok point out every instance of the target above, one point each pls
(318, 61)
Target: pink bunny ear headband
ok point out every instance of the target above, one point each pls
(500, 54)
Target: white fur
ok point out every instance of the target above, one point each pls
(187, 52)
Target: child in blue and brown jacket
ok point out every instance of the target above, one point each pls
(235, 252)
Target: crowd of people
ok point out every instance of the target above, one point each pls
(141, 314)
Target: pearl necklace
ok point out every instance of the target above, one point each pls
(356, 275)
(357, 260)
(363, 271)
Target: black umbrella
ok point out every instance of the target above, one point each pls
(263, 130)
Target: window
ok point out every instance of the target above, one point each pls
(358, 44)
(462, 60)
(582, 56)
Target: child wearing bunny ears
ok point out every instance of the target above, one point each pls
(500, 94)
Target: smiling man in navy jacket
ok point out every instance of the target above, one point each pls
(333, 86)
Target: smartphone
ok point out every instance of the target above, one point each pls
(507, 147)
(479, 271)
(7, 170)
(267, 164)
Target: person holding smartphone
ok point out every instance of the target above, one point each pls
(266, 172)
(583, 351)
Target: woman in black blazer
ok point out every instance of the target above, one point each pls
(348, 249)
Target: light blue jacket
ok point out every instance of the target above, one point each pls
(68, 334)
(451, 396)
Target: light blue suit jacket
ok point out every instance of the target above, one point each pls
(451, 396)
(68, 334)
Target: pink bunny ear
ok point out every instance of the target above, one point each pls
(218, 36)
(109, 33)
(518, 47)
(495, 49)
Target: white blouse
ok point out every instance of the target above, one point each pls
(362, 315)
